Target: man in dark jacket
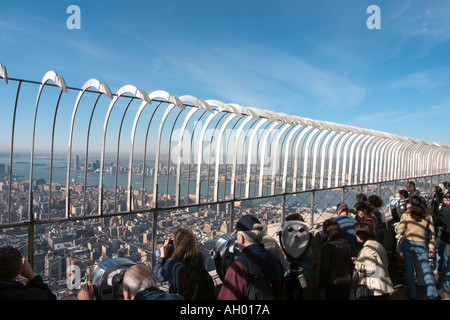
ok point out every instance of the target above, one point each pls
(444, 247)
(411, 188)
(11, 266)
(249, 236)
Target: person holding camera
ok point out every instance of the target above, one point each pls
(174, 266)
(12, 264)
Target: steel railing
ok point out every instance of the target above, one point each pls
(153, 152)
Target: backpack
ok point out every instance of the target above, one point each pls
(198, 283)
(258, 287)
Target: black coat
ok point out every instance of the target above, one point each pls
(444, 223)
(35, 289)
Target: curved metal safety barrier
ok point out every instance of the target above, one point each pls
(184, 151)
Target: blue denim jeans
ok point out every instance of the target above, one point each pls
(444, 250)
(409, 248)
(439, 260)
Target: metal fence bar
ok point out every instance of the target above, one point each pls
(280, 154)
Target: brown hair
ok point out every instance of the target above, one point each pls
(375, 201)
(331, 229)
(10, 263)
(342, 206)
(363, 231)
(417, 210)
(184, 245)
(294, 216)
(361, 197)
(363, 206)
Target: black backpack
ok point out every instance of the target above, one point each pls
(198, 283)
(258, 287)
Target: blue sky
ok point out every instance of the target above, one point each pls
(311, 58)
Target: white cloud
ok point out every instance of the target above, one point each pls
(393, 117)
(263, 76)
(424, 80)
(428, 19)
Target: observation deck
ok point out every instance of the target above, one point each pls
(88, 174)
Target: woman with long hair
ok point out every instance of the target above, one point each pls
(417, 228)
(173, 267)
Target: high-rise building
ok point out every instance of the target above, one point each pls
(54, 266)
(77, 162)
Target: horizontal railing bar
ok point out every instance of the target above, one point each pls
(194, 205)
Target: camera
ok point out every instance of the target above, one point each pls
(225, 251)
(107, 278)
(171, 249)
(397, 207)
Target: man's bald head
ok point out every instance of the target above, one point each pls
(137, 278)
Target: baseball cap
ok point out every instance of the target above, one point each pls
(247, 223)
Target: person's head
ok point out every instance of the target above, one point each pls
(361, 197)
(137, 278)
(410, 186)
(375, 201)
(403, 194)
(363, 232)
(423, 201)
(342, 209)
(294, 216)
(331, 229)
(446, 200)
(437, 189)
(249, 231)
(362, 209)
(10, 263)
(416, 201)
(417, 208)
(184, 245)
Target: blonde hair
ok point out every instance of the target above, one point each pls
(184, 245)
